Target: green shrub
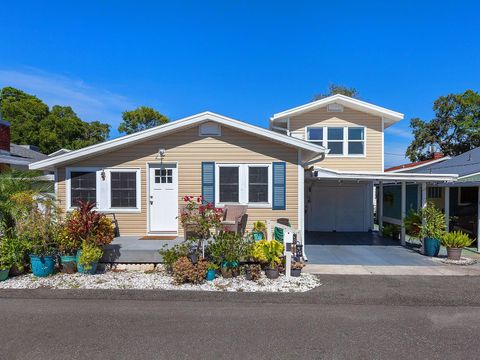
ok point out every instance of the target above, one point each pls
(186, 272)
(228, 247)
(172, 254)
(390, 230)
(413, 223)
(268, 251)
(434, 222)
(456, 239)
(91, 253)
(13, 253)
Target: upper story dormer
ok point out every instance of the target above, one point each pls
(351, 129)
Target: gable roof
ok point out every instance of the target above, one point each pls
(389, 116)
(170, 128)
(465, 164)
(416, 165)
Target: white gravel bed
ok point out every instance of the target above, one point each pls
(158, 281)
(463, 261)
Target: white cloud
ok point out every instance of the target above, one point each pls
(396, 131)
(89, 102)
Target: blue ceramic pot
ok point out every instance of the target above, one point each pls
(257, 235)
(68, 258)
(42, 266)
(92, 269)
(432, 246)
(4, 274)
(210, 274)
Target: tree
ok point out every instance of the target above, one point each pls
(24, 112)
(454, 130)
(139, 119)
(337, 89)
(33, 123)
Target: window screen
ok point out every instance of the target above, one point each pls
(83, 187)
(258, 184)
(123, 189)
(228, 182)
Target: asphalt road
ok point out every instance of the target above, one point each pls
(332, 322)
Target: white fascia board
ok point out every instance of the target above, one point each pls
(384, 176)
(12, 160)
(356, 104)
(421, 165)
(171, 127)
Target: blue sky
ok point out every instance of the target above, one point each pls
(244, 59)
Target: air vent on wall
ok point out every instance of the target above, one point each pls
(334, 107)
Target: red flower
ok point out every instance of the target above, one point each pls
(209, 206)
(201, 208)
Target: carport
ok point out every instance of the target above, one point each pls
(340, 207)
(359, 248)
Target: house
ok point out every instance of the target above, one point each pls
(13, 156)
(459, 200)
(316, 165)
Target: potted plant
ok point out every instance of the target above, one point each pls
(455, 241)
(296, 268)
(5, 264)
(211, 271)
(88, 257)
(93, 230)
(259, 229)
(270, 252)
(67, 250)
(432, 229)
(226, 250)
(253, 272)
(36, 226)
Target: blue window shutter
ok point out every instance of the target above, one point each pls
(279, 186)
(208, 182)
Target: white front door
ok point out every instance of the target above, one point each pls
(163, 198)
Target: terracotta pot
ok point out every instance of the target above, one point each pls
(454, 253)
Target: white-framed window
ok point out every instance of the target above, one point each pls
(112, 189)
(209, 129)
(335, 140)
(340, 140)
(245, 184)
(467, 195)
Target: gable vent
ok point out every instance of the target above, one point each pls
(334, 107)
(209, 129)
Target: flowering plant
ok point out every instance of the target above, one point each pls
(203, 216)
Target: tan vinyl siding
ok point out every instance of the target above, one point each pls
(189, 149)
(349, 117)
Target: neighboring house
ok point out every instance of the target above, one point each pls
(316, 165)
(13, 156)
(459, 200)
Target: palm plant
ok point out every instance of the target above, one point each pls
(12, 183)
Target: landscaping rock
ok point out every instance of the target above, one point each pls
(156, 280)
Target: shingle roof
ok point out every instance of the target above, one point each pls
(26, 152)
(465, 164)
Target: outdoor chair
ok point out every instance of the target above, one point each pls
(234, 219)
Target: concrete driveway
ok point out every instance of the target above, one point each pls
(367, 249)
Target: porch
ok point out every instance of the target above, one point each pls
(132, 249)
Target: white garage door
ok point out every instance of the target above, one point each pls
(344, 207)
